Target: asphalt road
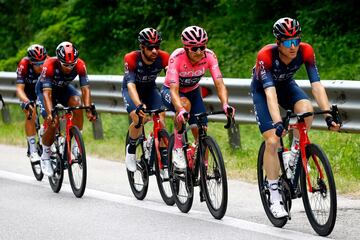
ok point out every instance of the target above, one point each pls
(30, 210)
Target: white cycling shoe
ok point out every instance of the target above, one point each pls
(46, 167)
(130, 160)
(179, 159)
(34, 157)
(277, 209)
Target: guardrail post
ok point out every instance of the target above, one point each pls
(234, 136)
(5, 113)
(98, 131)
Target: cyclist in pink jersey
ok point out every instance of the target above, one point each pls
(181, 92)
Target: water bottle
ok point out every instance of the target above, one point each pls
(41, 133)
(61, 144)
(294, 157)
(286, 158)
(147, 146)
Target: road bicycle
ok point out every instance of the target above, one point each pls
(205, 168)
(68, 151)
(151, 158)
(312, 178)
(35, 166)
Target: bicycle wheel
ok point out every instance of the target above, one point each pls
(35, 166)
(264, 190)
(181, 183)
(138, 180)
(57, 179)
(320, 204)
(77, 164)
(162, 175)
(213, 178)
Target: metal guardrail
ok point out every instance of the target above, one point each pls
(106, 94)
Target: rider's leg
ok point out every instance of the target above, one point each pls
(134, 133)
(30, 131)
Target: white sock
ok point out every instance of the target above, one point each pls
(274, 192)
(32, 143)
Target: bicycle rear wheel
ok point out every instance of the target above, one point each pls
(77, 165)
(213, 178)
(57, 179)
(264, 190)
(181, 183)
(138, 180)
(162, 175)
(320, 204)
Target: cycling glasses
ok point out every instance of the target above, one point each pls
(195, 49)
(37, 63)
(288, 43)
(68, 65)
(150, 48)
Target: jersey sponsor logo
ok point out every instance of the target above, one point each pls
(192, 73)
(171, 60)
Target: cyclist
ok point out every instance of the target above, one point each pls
(181, 92)
(28, 72)
(139, 89)
(54, 87)
(273, 85)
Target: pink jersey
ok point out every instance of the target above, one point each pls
(186, 75)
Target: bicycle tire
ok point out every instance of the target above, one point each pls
(57, 179)
(264, 190)
(78, 169)
(210, 171)
(35, 166)
(138, 180)
(180, 181)
(162, 175)
(325, 188)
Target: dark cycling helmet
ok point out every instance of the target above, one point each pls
(149, 36)
(194, 36)
(67, 53)
(36, 53)
(286, 28)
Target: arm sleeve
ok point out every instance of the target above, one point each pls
(172, 75)
(21, 72)
(82, 72)
(213, 65)
(310, 63)
(129, 68)
(263, 69)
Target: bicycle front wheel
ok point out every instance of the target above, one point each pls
(77, 164)
(213, 178)
(265, 191)
(162, 174)
(57, 179)
(181, 183)
(35, 166)
(138, 180)
(320, 202)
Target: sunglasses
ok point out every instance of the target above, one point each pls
(195, 49)
(68, 65)
(288, 43)
(38, 63)
(150, 48)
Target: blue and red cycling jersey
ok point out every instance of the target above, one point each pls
(270, 70)
(52, 76)
(136, 71)
(25, 73)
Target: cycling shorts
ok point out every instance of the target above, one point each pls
(59, 95)
(194, 96)
(288, 94)
(149, 96)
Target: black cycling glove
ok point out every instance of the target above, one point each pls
(279, 128)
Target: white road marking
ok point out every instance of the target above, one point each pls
(159, 207)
